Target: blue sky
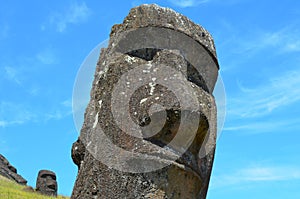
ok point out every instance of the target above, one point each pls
(42, 45)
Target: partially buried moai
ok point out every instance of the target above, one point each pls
(46, 183)
(150, 127)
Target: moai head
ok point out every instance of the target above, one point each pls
(46, 183)
(150, 126)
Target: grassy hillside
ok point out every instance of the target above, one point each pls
(12, 190)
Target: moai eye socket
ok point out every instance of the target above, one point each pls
(146, 53)
(44, 176)
(49, 176)
(194, 76)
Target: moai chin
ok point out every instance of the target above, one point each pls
(150, 127)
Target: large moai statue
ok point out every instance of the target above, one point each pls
(150, 127)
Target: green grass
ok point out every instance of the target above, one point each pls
(12, 190)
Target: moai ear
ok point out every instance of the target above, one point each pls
(78, 151)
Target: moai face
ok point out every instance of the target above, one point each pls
(150, 126)
(46, 183)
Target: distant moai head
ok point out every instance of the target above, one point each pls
(46, 183)
(150, 126)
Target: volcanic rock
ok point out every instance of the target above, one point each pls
(150, 127)
(46, 183)
(10, 172)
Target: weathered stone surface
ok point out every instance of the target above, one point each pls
(137, 71)
(10, 172)
(171, 30)
(46, 183)
(78, 151)
(155, 16)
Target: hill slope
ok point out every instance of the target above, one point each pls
(12, 190)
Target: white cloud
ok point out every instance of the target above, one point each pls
(11, 113)
(12, 74)
(256, 174)
(46, 57)
(288, 40)
(18, 113)
(265, 126)
(264, 99)
(57, 115)
(33, 91)
(3, 123)
(64, 110)
(67, 103)
(292, 46)
(76, 13)
(284, 40)
(188, 3)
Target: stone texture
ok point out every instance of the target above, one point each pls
(155, 16)
(78, 151)
(171, 30)
(167, 39)
(10, 172)
(46, 183)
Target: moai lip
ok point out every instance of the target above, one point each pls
(150, 126)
